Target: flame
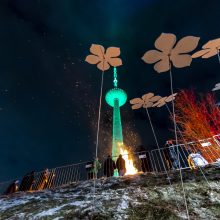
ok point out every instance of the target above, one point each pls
(130, 168)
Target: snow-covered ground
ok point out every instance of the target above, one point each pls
(142, 196)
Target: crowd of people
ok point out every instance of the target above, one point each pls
(112, 167)
(32, 181)
(116, 167)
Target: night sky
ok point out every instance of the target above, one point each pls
(49, 95)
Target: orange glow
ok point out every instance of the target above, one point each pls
(130, 168)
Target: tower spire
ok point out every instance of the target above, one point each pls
(115, 81)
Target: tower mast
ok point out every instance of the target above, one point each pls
(116, 98)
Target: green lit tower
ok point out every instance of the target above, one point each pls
(116, 98)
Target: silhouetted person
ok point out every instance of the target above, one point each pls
(92, 168)
(89, 169)
(23, 185)
(27, 182)
(96, 167)
(168, 161)
(174, 157)
(168, 157)
(12, 188)
(50, 182)
(144, 159)
(30, 181)
(42, 180)
(120, 165)
(109, 166)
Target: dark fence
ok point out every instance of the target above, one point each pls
(158, 160)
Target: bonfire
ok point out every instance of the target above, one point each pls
(130, 168)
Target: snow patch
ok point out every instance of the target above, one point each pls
(50, 211)
(81, 204)
(10, 204)
(124, 203)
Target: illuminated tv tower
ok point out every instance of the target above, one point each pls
(116, 98)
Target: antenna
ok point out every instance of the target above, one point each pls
(115, 81)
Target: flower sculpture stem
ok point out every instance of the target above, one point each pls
(97, 139)
(173, 106)
(185, 142)
(176, 139)
(103, 59)
(155, 137)
(99, 115)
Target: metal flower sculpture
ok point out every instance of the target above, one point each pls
(211, 48)
(150, 100)
(171, 52)
(146, 101)
(164, 100)
(167, 53)
(104, 58)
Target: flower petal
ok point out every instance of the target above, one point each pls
(161, 104)
(163, 65)
(148, 105)
(200, 53)
(155, 98)
(165, 42)
(156, 104)
(170, 98)
(152, 56)
(136, 101)
(136, 106)
(186, 44)
(211, 53)
(162, 99)
(147, 96)
(212, 44)
(98, 50)
(181, 60)
(114, 61)
(103, 66)
(92, 59)
(113, 52)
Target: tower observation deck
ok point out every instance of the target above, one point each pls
(116, 98)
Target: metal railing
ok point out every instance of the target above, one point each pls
(144, 161)
(209, 149)
(49, 178)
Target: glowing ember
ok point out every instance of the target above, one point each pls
(130, 168)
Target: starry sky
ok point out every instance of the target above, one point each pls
(49, 95)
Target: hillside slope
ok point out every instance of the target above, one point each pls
(142, 196)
